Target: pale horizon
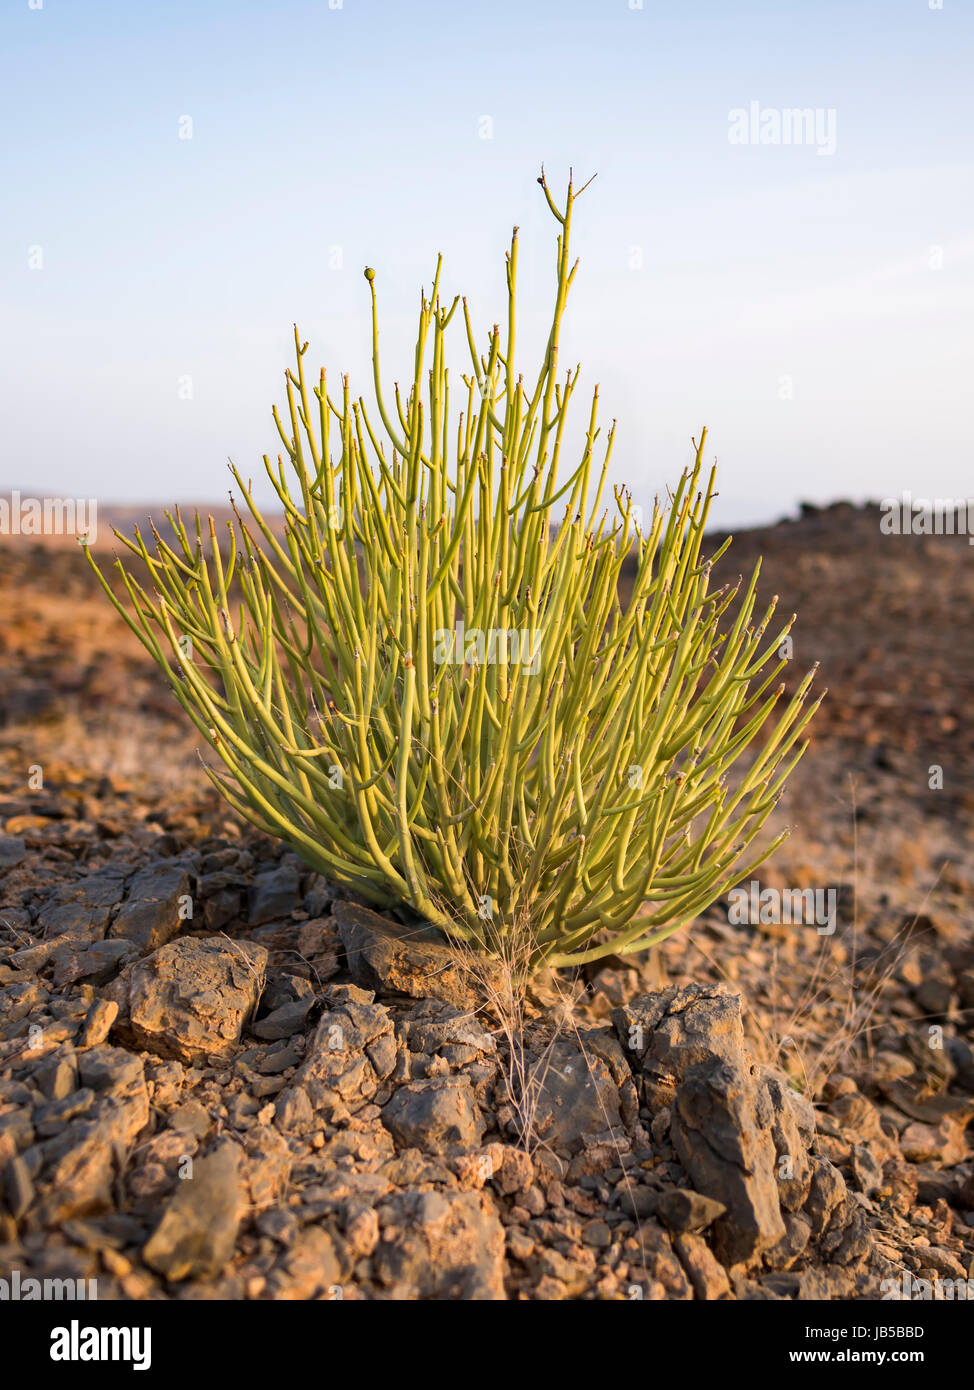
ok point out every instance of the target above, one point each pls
(808, 302)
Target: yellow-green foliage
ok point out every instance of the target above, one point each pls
(557, 792)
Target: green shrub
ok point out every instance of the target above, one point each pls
(433, 689)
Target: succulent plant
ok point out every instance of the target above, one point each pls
(431, 684)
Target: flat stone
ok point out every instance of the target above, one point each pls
(274, 894)
(285, 1021)
(196, 1237)
(83, 908)
(92, 961)
(153, 911)
(388, 958)
(51, 1119)
(13, 851)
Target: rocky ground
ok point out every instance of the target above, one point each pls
(222, 1078)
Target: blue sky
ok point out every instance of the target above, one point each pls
(814, 310)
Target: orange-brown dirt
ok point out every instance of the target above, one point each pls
(872, 1024)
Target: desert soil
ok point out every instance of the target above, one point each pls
(220, 1077)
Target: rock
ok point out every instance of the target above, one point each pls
(724, 1143)
(512, 1170)
(962, 1058)
(16, 1133)
(268, 1166)
(688, 1046)
(943, 1143)
(31, 959)
(111, 1071)
(52, 1119)
(274, 894)
(309, 1269)
(191, 1118)
(798, 1231)
(708, 1277)
(343, 1066)
(293, 1112)
(18, 1186)
(638, 1202)
(890, 1066)
(942, 1261)
(848, 1241)
(278, 1224)
(285, 1021)
(95, 962)
(667, 1033)
(434, 1027)
(661, 1274)
(901, 1182)
(597, 1234)
(684, 1210)
(221, 908)
(57, 1075)
(80, 1163)
(568, 1094)
(283, 988)
(191, 998)
(446, 1246)
(83, 908)
(13, 851)
(935, 993)
(196, 1237)
(934, 1186)
(860, 1117)
(561, 1276)
(436, 1116)
(417, 963)
(154, 909)
(320, 945)
(867, 1170)
(965, 987)
(520, 1246)
(97, 1024)
(826, 1195)
(279, 1059)
(361, 1228)
(792, 1131)
(17, 1001)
